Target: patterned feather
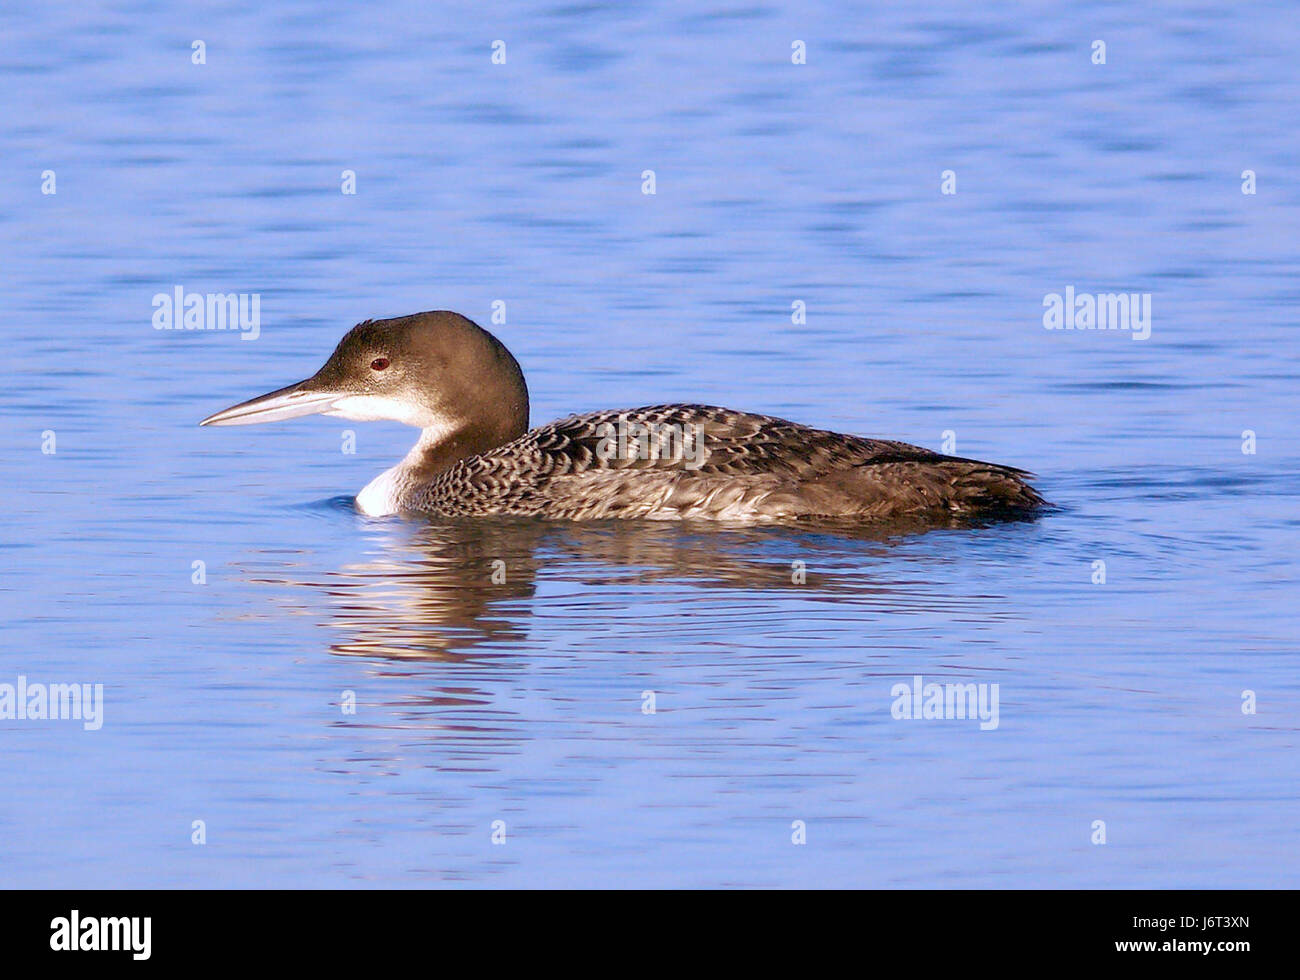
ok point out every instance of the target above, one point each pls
(753, 468)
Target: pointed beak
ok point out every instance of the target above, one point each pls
(287, 403)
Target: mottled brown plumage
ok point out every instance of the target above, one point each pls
(446, 375)
(756, 468)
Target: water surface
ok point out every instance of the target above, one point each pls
(519, 707)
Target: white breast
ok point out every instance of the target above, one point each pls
(381, 496)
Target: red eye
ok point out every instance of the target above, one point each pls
(379, 363)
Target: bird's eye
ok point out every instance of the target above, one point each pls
(379, 363)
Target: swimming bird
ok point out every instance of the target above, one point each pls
(450, 378)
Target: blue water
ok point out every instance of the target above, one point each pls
(516, 708)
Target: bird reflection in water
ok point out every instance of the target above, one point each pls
(450, 606)
(457, 590)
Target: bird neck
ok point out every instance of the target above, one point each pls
(439, 447)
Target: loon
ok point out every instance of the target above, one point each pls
(450, 378)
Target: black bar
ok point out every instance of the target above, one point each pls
(335, 928)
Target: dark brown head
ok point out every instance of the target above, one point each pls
(438, 371)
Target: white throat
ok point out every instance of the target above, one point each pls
(385, 494)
